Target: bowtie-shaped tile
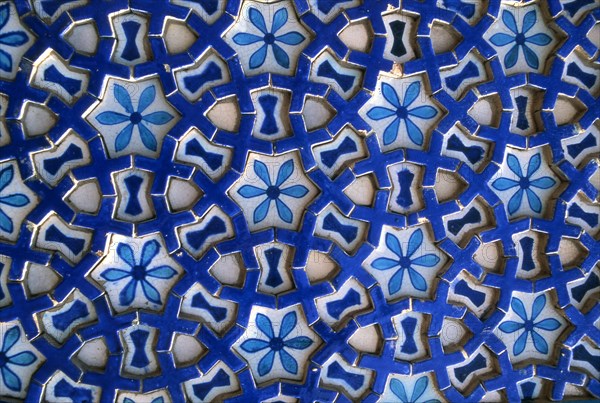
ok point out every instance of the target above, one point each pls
(60, 322)
(591, 283)
(52, 73)
(275, 261)
(55, 235)
(134, 203)
(586, 358)
(574, 150)
(199, 305)
(62, 388)
(346, 232)
(219, 381)
(70, 152)
(347, 302)
(139, 358)
(473, 153)
(211, 73)
(352, 381)
(344, 78)
(198, 237)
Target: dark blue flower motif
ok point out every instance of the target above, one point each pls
(398, 389)
(525, 183)
(14, 200)
(134, 117)
(405, 262)
(273, 192)
(11, 39)
(402, 112)
(276, 344)
(529, 325)
(22, 359)
(138, 273)
(520, 40)
(269, 38)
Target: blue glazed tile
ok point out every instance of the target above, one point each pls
(299, 200)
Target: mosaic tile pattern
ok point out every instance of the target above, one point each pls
(307, 200)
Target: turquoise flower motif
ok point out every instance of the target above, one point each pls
(13, 200)
(276, 344)
(520, 40)
(529, 325)
(138, 272)
(402, 112)
(270, 38)
(12, 39)
(273, 192)
(22, 359)
(524, 184)
(135, 117)
(398, 389)
(405, 262)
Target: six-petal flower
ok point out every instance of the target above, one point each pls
(520, 40)
(418, 257)
(542, 326)
(252, 38)
(138, 282)
(273, 191)
(268, 181)
(536, 184)
(14, 41)
(277, 344)
(134, 117)
(118, 118)
(521, 30)
(400, 118)
(16, 200)
(410, 389)
(18, 361)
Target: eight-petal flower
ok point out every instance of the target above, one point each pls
(419, 258)
(252, 38)
(140, 282)
(116, 117)
(276, 180)
(534, 184)
(14, 41)
(407, 117)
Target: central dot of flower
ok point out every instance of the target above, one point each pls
(524, 183)
(520, 39)
(276, 343)
(138, 272)
(3, 359)
(269, 39)
(135, 118)
(401, 112)
(528, 325)
(273, 192)
(404, 262)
